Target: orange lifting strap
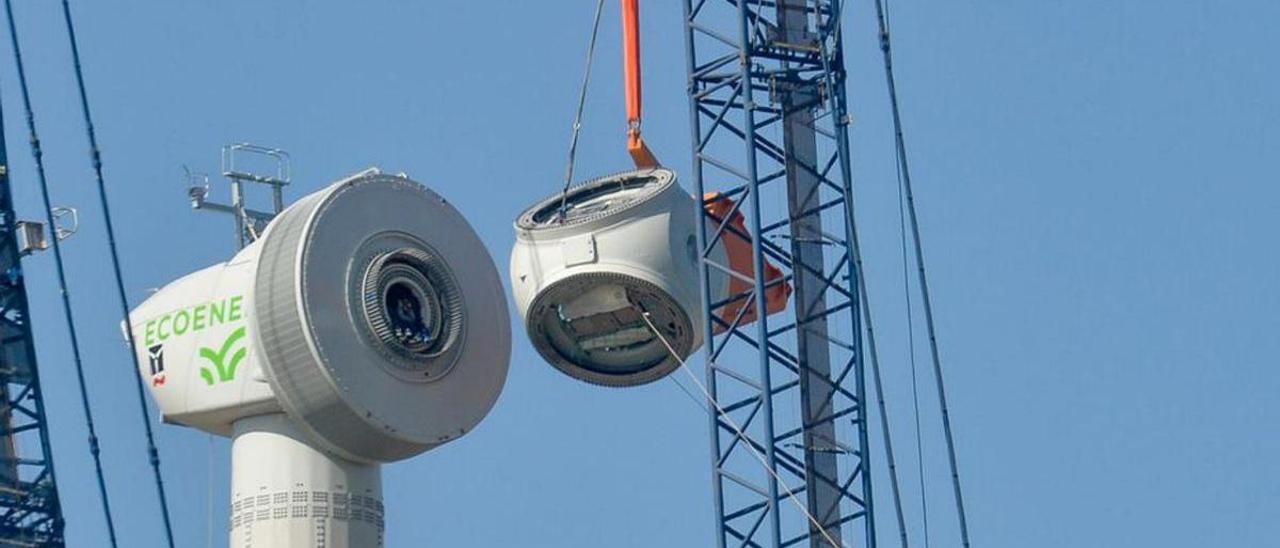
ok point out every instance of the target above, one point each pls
(739, 250)
(639, 151)
(718, 206)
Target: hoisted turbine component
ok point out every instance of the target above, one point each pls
(589, 265)
(366, 325)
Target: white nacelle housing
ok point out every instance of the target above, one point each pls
(194, 348)
(368, 312)
(366, 325)
(586, 272)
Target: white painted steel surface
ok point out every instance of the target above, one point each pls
(285, 492)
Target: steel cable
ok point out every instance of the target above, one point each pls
(911, 338)
(582, 103)
(901, 150)
(911, 354)
(738, 431)
(95, 157)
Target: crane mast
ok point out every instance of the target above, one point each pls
(30, 511)
(769, 121)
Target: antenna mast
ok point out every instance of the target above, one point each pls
(249, 222)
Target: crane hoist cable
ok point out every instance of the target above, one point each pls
(901, 150)
(582, 103)
(95, 157)
(636, 147)
(37, 154)
(736, 241)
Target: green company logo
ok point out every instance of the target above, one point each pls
(223, 360)
(194, 319)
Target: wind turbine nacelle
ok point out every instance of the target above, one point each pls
(368, 312)
(586, 272)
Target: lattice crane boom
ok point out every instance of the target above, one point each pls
(769, 122)
(30, 510)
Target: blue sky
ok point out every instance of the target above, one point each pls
(1098, 191)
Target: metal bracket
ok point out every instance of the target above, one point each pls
(280, 157)
(31, 237)
(249, 222)
(31, 234)
(64, 230)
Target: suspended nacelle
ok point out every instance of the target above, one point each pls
(366, 325)
(594, 272)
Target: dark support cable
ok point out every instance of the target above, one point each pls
(911, 344)
(38, 155)
(96, 157)
(911, 353)
(900, 142)
(879, 388)
(582, 103)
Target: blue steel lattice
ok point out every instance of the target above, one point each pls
(30, 511)
(769, 128)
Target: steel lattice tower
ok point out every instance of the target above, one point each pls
(769, 120)
(30, 512)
